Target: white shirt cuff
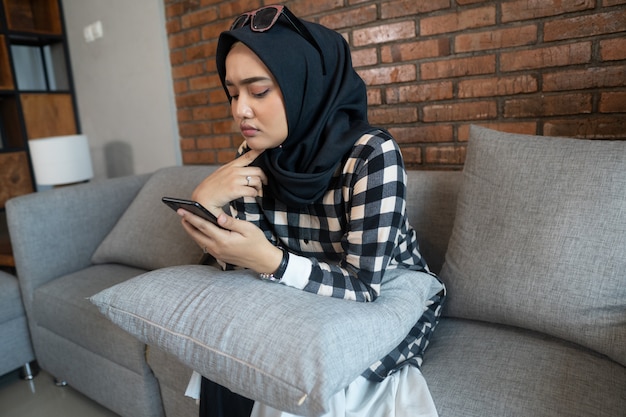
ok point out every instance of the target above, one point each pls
(298, 271)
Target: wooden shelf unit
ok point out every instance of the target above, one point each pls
(36, 93)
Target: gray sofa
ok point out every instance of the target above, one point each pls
(530, 240)
(15, 348)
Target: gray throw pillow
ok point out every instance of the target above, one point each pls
(539, 239)
(149, 234)
(284, 347)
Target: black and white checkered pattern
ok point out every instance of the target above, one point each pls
(357, 231)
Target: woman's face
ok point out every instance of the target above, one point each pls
(257, 102)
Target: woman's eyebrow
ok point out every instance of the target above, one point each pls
(247, 81)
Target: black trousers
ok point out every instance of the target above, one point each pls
(218, 401)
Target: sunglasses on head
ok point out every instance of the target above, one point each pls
(265, 18)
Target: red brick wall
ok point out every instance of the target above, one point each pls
(432, 68)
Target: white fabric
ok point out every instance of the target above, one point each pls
(193, 387)
(402, 394)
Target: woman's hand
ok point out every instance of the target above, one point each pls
(231, 181)
(238, 242)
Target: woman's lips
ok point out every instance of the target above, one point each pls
(248, 130)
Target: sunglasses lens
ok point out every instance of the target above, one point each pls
(239, 22)
(265, 18)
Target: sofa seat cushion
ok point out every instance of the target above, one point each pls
(287, 348)
(11, 306)
(62, 306)
(539, 238)
(149, 234)
(173, 377)
(478, 369)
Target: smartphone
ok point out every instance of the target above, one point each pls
(192, 207)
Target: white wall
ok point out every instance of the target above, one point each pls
(123, 85)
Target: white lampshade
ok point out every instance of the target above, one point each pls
(61, 160)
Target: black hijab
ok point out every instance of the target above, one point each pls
(326, 114)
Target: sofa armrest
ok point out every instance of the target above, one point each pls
(55, 232)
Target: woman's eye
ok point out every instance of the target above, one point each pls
(261, 93)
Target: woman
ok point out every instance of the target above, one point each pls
(316, 195)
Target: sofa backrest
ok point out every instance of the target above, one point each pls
(431, 204)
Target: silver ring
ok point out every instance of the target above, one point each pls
(248, 178)
(204, 249)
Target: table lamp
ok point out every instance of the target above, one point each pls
(61, 160)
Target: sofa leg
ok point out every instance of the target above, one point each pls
(29, 371)
(60, 382)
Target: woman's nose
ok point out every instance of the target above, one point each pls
(243, 109)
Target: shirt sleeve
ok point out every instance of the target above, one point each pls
(374, 193)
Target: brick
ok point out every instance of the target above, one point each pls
(307, 8)
(497, 86)
(177, 57)
(495, 39)
(553, 56)
(184, 115)
(197, 158)
(182, 39)
(215, 112)
(384, 33)
(400, 8)
(466, 2)
(191, 129)
(548, 105)
(204, 82)
(524, 128)
(172, 26)
(614, 102)
(215, 142)
(388, 75)
(181, 86)
(224, 157)
(191, 100)
(590, 127)
(594, 77)
(222, 127)
(350, 18)
(445, 155)
(466, 110)
(390, 115)
(410, 51)
(235, 8)
(458, 67)
(422, 133)
(453, 22)
(417, 93)
(613, 49)
(587, 25)
(364, 57)
(203, 51)
(187, 144)
(412, 155)
(211, 32)
(198, 18)
(374, 96)
(188, 70)
(533, 9)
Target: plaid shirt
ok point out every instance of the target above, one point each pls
(341, 245)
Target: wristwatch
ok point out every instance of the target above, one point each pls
(278, 275)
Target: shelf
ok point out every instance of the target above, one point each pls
(40, 66)
(10, 128)
(38, 16)
(6, 80)
(14, 176)
(48, 115)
